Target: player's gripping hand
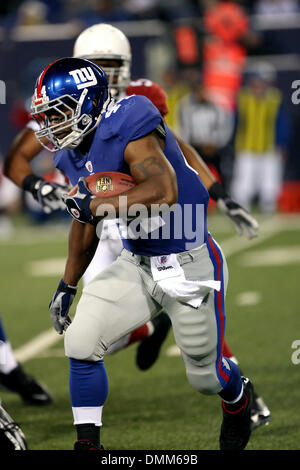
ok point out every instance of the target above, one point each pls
(78, 203)
(49, 195)
(243, 221)
(60, 305)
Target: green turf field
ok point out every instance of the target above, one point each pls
(158, 409)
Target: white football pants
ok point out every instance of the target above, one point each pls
(124, 296)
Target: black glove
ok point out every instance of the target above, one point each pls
(49, 195)
(243, 221)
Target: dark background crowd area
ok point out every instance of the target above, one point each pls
(13, 12)
(165, 35)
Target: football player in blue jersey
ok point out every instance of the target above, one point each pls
(176, 266)
(109, 47)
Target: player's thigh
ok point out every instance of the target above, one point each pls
(195, 329)
(112, 305)
(200, 331)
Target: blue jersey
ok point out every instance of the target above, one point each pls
(130, 119)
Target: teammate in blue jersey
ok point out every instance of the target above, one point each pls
(185, 275)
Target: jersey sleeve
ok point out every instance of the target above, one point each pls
(131, 118)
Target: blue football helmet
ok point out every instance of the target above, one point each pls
(70, 97)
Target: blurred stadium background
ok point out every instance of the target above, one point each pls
(201, 52)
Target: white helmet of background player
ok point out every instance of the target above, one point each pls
(107, 43)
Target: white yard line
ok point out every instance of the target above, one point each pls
(37, 235)
(247, 298)
(47, 267)
(34, 347)
(275, 256)
(231, 246)
(267, 229)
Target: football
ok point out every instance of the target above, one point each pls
(107, 183)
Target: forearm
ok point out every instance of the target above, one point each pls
(195, 161)
(83, 243)
(17, 162)
(150, 192)
(215, 189)
(18, 171)
(155, 179)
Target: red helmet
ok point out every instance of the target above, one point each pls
(152, 91)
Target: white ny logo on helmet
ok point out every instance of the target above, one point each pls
(84, 77)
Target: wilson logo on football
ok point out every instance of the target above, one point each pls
(84, 77)
(104, 184)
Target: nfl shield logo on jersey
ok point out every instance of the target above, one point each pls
(89, 166)
(76, 213)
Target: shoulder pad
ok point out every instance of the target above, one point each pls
(130, 118)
